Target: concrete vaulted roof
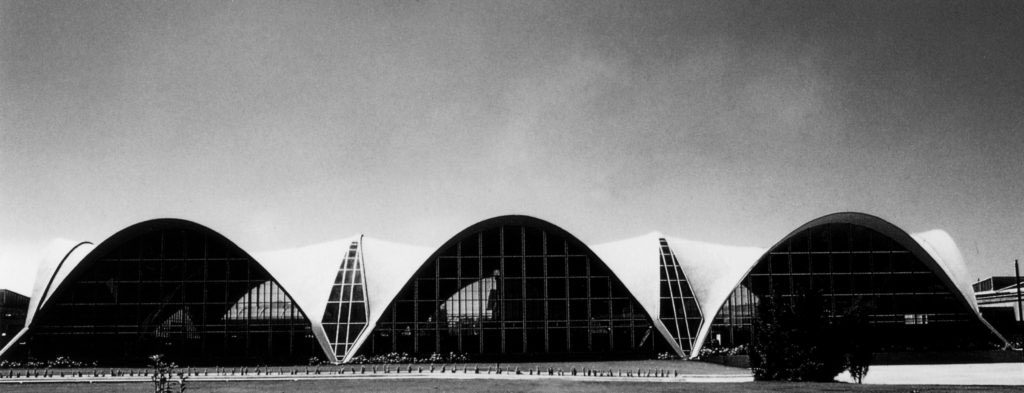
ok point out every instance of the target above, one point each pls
(65, 260)
(310, 273)
(388, 266)
(307, 273)
(935, 248)
(711, 270)
(636, 262)
(59, 257)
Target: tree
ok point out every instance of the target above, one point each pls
(797, 341)
(768, 352)
(859, 347)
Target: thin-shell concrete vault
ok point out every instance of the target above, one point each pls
(162, 286)
(510, 286)
(915, 287)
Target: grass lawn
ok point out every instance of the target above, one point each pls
(442, 385)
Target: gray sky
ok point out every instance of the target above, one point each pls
(282, 124)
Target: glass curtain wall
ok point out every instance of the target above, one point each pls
(679, 310)
(908, 307)
(514, 290)
(345, 316)
(186, 294)
(13, 309)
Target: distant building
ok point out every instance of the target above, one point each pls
(997, 301)
(511, 287)
(13, 307)
(993, 283)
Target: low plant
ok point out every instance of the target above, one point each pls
(58, 362)
(705, 352)
(403, 358)
(163, 375)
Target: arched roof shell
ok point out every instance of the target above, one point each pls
(58, 269)
(935, 248)
(713, 271)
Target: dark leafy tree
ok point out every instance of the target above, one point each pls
(768, 352)
(858, 345)
(797, 340)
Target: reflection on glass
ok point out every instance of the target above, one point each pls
(473, 303)
(266, 301)
(178, 323)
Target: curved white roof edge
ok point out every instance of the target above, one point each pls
(57, 260)
(940, 253)
(307, 274)
(14, 340)
(941, 247)
(713, 272)
(636, 262)
(713, 282)
(387, 267)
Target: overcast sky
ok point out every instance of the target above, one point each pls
(281, 124)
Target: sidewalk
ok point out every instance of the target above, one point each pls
(944, 374)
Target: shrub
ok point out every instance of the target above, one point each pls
(402, 357)
(707, 351)
(58, 362)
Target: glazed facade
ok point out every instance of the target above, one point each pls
(187, 294)
(514, 291)
(13, 309)
(512, 287)
(907, 305)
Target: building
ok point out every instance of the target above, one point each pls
(998, 302)
(506, 288)
(914, 289)
(13, 307)
(993, 283)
